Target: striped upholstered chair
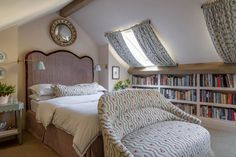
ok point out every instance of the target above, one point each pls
(142, 123)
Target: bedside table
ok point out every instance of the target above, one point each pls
(18, 108)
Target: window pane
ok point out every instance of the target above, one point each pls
(135, 48)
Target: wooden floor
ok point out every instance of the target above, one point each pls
(30, 148)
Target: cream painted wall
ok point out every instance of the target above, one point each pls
(35, 36)
(107, 55)
(103, 60)
(115, 60)
(9, 45)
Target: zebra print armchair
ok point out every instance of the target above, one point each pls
(142, 123)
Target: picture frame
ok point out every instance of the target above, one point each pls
(115, 72)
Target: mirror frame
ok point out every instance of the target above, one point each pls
(55, 38)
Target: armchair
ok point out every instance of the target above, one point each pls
(137, 123)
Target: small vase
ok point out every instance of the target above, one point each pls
(4, 99)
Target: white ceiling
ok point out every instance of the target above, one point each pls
(17, 12)
(180, 24)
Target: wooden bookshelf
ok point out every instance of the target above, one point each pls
(177, 87)
(145, 86)
(198, 87)
(218, 105)
(182, 101)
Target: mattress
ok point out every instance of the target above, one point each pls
(34, 105)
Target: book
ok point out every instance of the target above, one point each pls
(217, 80)
(189, 95)
(217, 97)
(218, 113)
(179, 80)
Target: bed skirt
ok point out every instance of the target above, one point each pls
(58, 140)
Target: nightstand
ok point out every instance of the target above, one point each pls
(18, 108)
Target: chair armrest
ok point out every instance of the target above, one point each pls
(113, 146)
(183, 115)
(168, 106)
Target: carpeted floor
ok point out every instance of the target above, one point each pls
(223, 144)
(30, 148)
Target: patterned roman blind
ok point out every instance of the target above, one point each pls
(151, 45)
(147, 40)
(118, 43)
(220, 16)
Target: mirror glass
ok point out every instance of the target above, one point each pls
(63, 32)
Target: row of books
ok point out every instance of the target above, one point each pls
(218, 113)
(217, 97)
(188, 108)
(179, 80)
(218, 80)
(189, 95)
(149, 80)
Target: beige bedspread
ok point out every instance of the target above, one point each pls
(76, 115)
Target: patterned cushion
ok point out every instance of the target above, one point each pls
(133, 120)
(170, 139)
(62, 90)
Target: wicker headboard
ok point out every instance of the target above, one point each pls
(62, 66)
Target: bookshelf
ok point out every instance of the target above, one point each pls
(208, 95)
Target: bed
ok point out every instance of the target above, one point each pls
(63, 67)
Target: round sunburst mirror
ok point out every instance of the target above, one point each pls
(63, 32)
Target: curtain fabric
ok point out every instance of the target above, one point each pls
(220, 18)
(118, 43)
(151, 45)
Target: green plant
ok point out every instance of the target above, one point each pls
(6, 89)
(122, 84)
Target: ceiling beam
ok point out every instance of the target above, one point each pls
(73, 7)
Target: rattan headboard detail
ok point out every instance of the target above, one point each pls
(62, 66)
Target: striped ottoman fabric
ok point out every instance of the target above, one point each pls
(169, 139)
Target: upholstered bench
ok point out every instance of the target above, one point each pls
(142, 123)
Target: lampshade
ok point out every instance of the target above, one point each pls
(97, 67)
(40, 65)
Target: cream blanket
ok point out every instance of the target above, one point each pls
(76, 115)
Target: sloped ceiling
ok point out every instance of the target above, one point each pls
(179, 24)
(17, 12)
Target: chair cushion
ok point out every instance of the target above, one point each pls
(169, 139)
(136, 119)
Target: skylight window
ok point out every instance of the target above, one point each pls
(135, 48)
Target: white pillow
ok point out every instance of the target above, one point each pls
(41, 98)
(100, 88)
(42, 89)
(96, 86)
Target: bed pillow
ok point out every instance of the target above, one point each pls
(76, 90)
(41, 98)
(42, 89)
(96, 86)
(99, 87)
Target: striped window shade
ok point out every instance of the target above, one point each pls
(139, 46)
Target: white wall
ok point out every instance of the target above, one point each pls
(107, 55)
(180, 25)
(35, 36)
(103, 61)
(115, 60)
